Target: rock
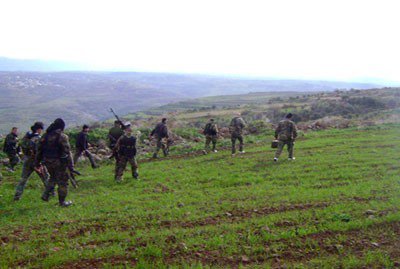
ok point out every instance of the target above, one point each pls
(245, 258)
(375, 244)
(228, 214)
(370, 212)
(146, 142)
(101, 144)
(181, 204)
(266, 229)
(102, 152)
(97, 158)
(338, 247)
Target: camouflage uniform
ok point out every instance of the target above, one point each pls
(211, 133)
(161, 132)
(12, 149)
(286, 133)
(82, 148)
(29, 146)
(236, 128)
(126, 150)
(54, 151)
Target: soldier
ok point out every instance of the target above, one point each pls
(29, 146)
(82, 145)
(211, 133)
(286, 133)
(236, 128)
(160, 132)
(54, 151)
(12, 149)
(125, 148)
(115, 133)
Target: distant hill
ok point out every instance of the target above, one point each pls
(81, 97)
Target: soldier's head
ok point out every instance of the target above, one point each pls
(14, 130)
(58, 124)
(289, 116)
(238, 114)
(85, 128)
(128, 128)
(37, 127)
(164, 120)
(211, 120)
(116, 123)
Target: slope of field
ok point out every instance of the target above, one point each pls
(336, 206)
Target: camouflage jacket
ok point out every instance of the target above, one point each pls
(286, 130)
(29, 144)
(237, 125)
(211, 128)
(52, 146)
(161, 130)
(11, 144)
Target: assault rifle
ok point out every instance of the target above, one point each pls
(118, 119)
(71, 174)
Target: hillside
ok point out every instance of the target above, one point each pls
(336, 206)
(83, 97)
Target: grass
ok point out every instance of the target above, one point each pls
(337, 205)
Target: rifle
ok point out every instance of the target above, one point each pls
(71, 174)
(116, 116)
(43, 173)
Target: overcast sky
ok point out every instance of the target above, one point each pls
(341, 40)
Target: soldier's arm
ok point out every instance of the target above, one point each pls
(243, 123)
(152, 132)
(166, 132)
(277, 130)
(294, 131)
(39, 153)
(8, 140)
(117, 145)
(66, 150)
(111, 137)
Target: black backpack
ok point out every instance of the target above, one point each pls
(128, 146)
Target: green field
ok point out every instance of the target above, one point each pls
(335, 206)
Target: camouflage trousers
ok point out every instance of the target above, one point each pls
(27, 169)
(79, 153)
(281, 145)
(120, 166)
(209, 139)
(58, 176)
(13, 160)
(161, 144)
(234, 137)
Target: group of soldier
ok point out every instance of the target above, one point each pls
(50, 155)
